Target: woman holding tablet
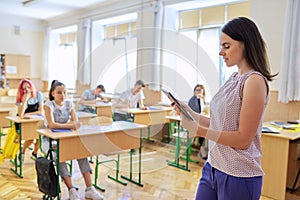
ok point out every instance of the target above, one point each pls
(233, 170)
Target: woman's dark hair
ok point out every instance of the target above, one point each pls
(244, 30)
(53, 86)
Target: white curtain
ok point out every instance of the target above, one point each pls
(45, 68)
(289, 86)
(84, 67)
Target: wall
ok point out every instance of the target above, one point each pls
(29, 42)
(269, 16)
(281, 111)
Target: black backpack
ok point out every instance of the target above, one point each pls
(46, 175)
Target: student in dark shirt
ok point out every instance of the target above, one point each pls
(197, 103)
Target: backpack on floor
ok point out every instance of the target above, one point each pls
(46, 175)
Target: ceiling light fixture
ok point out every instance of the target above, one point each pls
(30, 2)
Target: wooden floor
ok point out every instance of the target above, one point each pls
(160, 181)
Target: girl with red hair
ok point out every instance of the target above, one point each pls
(29, 102)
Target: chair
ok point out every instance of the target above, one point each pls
(183, 137)
(102, 121)
(12, 92)
(181, 151)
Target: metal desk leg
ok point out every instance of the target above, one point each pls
(148, 136)
(116, 178)
(139, 182)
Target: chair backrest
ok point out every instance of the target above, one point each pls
(100, 121)
(12, 92)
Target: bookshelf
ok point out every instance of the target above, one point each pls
(13, 68)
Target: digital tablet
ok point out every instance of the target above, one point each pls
(173, 99)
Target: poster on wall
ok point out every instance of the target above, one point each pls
(11, 69)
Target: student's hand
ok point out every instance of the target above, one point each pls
(105, 100)
(199, 96)
(26, 96)
(190, 125)
(76, 125)
(26, 116)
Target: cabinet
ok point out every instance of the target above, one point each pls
(13, 69)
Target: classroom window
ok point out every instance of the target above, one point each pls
(190, 63)
(207, 21)
(62, 64)
(116, 39)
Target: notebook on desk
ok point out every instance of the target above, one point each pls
(284, 125)
(270, 130)
(61, 130)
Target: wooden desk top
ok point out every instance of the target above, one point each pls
(5, 109)
(286, 134)
(151, 109)
(91, 130)
(19, 120)
(81, 115)
(99, 104)
(283, 133)
(174, 117)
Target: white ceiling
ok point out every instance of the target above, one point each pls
(44, 9)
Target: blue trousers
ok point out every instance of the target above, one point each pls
(216, 185)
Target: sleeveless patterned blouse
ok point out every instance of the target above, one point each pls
(225, 110)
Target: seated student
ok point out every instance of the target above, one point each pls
(60, 114)
(91, 97)
(197, 104)
(29, 102)
(131, 98)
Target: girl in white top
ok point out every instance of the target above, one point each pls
(233, 170)
(60, 114)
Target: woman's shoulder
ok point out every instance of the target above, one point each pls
(255, 76)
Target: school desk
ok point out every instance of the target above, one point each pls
(154, 115)
(84, 117)
(276, 155)
(96, 140)
(27, 131)
(176, 163)
(102, 108)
